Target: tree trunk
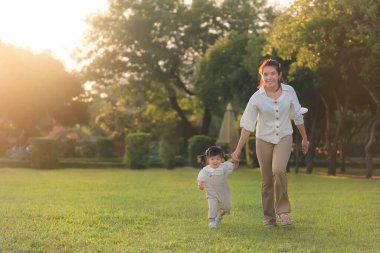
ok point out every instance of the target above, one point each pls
(190, 129)
(368, 164)
(329, 146)
(333, 145)
(343, 158)
(311, 154)
(372, 127)
(206, 121)
(332, 161)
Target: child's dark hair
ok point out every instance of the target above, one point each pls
(212, 151)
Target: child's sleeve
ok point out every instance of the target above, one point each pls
(202, 176)
(228, 167)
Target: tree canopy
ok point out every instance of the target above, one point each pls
(33, 87)
(151, 48)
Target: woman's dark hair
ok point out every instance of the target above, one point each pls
(273, 63)
(211, 151)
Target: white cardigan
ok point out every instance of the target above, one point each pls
(271, 117)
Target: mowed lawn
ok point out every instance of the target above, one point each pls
(158, 210)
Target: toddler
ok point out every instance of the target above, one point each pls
(213, 178)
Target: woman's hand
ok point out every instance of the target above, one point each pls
(305, 146)
(235, 156)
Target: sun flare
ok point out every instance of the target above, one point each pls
(41, 25)
(53, 25)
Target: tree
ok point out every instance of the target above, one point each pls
(33, 87)
(332, 39)
(228, 72)
(154, 45)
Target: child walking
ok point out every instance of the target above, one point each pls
(213, 178)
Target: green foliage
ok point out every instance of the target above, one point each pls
(44, 153)
(334, 45)
(197, 145)
(105, 148)
(66, 148)
(167, 152)
(87, 150)
(137, 150)
(158, 44)
(94, 210)
(221, 74)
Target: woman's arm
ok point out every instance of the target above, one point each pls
(242, 140)
(305, 142)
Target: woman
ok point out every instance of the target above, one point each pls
(269, 112)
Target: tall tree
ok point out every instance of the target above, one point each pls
(141, 44)
(332, 39)
(228, 71)
(32, 87)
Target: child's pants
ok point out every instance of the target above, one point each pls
(273, 159)
(214, 205)
(218, 195)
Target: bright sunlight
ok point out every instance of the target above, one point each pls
(42, 25)
(57, 26)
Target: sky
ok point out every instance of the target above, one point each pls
(54, 25)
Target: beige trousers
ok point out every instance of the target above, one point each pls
(273, 159)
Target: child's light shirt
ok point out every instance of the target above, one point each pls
(225, 168)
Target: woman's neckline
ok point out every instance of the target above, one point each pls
(276, 97)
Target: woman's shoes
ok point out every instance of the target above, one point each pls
(285, 219)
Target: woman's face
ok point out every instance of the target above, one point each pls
(270, 77)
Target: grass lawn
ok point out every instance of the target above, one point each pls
(157, 210)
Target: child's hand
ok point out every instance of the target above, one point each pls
(201, 185)
(235, 163)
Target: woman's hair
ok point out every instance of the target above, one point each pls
(211, 151)
(273, 63)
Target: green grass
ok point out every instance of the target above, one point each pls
(157, 210)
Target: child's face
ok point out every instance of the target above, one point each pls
(214, 161)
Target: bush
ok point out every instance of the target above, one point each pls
(137, 150)
(44, 153)
(87, 149)
(180, 161)
(167, 151)
(66, 148)
(197, 146)
(105, 148)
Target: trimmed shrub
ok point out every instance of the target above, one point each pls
(167, 151)
(197, 146)
(250, 152)
(66, 148)
(105, 148)
(137, 150)
(180, 161)
(87, 149)
(44, 153)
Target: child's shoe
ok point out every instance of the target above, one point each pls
(212, 224)
(218, 219)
